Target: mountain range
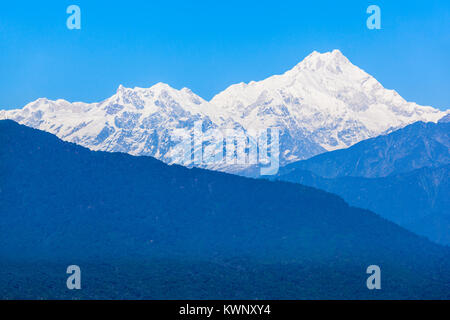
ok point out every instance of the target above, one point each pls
(413, 147)
(403, 176)
(322, 104)
(139, 228)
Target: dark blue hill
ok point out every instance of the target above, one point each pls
(403, 176)
(141, 229)
(413, 147)
(417, 200)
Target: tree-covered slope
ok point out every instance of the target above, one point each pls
(413, 147)
(403, 176)
(417, 200)
(141, 229)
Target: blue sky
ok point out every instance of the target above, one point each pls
(209, 45)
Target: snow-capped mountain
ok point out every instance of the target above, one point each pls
(324, 103)
(139, 121)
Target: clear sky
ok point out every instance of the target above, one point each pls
(209, 45)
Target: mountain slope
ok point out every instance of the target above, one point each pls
(416, 200)
(413, 147)
(403, 176)
(136, 121)
(142, 229)
(324, 103)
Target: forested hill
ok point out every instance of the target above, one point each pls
(139, 228)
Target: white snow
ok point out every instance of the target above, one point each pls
(323, 103)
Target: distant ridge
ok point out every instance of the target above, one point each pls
(413, 147)
(403, 176)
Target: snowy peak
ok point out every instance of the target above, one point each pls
(139, 121)
(323, 103)
(315, 71)
(316, 60)
(325, 85)
(120, 89)
(158, 90)
(159, 98)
